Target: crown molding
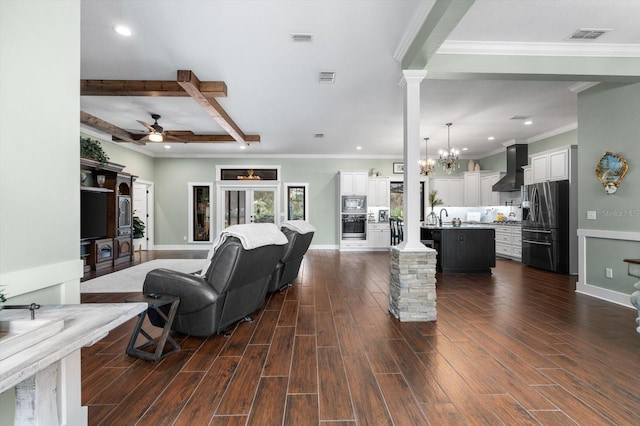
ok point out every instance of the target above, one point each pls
(573, 49)
(581, 86)
(552, 133)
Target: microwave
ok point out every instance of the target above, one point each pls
(354, 204)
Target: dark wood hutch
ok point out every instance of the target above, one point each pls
(106, 214)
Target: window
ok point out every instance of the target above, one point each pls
(200, 211)
(397, 199)
(297, 201)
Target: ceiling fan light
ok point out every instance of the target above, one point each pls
(155, 137)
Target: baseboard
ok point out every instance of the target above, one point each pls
(207, 246)
(323, 247)
(605, 294)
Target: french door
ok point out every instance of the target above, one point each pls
(241, 204)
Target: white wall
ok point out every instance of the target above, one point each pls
(39, 167)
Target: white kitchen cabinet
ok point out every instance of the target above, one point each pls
(527, 175)
(379, 236)
(354, 182)
(552, 165)
(488, 196)
(472, 189)
(378, 192)
(450, 191)
(509, 241)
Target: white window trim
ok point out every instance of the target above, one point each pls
(190, 186)
(285, 199)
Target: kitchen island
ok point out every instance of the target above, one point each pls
(469, 248)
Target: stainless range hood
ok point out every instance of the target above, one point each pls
(517, 156)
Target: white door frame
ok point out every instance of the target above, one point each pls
(230, 185)
(148, 241)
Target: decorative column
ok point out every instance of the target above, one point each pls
(412, 292)
(411, 210)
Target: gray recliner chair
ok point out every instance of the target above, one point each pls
(234, 286)
(299, 234)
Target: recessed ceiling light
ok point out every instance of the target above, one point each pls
(491, 138)
(358, 148)
(465, 149)
(528, 123)
(243, 147)
(167, 147)
(122, 30)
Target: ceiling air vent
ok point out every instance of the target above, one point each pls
(520, 117)
(327, 77)
(301, 37)
(318, 135)
(587, 34)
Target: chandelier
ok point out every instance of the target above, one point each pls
(449, 157)
(427, 166)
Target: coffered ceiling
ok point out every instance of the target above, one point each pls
(487, 61)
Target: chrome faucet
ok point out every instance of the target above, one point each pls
(445, 212)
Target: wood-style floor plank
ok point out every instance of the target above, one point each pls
(517, 346)
(205, 399)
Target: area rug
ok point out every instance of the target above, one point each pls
(131, 279)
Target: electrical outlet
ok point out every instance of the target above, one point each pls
(608, 272)
(591, 215)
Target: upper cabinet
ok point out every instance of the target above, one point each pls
(450, 191)
(527, 175)
(489, 197)
(478, 191)
(553, 164)
(472, 189)
(378, 192)
(354, 183)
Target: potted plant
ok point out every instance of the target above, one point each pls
(138, 229)
(434, 201)
(92, 150)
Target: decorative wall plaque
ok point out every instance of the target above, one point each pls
(610, 170)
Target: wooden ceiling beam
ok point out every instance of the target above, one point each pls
(104, 126)
(148, 88)
(192, 85)
(186, 136)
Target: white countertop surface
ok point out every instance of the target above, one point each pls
(84, 325)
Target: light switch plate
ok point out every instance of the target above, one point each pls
(591, 215)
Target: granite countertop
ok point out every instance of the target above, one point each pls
(463, 226)
(84, 325)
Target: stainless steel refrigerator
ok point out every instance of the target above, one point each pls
(545, 226)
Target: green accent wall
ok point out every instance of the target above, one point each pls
(173, 176)
(609, 120)
(563, 139)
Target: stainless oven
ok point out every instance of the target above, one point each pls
(354, 227)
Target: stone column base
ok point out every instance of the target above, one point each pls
(412, 293)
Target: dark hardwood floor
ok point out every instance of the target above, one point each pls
(515, 347)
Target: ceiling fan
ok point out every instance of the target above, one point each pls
(156, 131)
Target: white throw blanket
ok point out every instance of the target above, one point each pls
(300, 226)
(251, 235)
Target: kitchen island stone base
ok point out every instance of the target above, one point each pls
(412, 292)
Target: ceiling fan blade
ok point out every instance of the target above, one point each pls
(147, 125)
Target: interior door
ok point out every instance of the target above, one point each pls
(248, 205)
(142, 208)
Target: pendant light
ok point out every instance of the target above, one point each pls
(427, 166)
(449, 157)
